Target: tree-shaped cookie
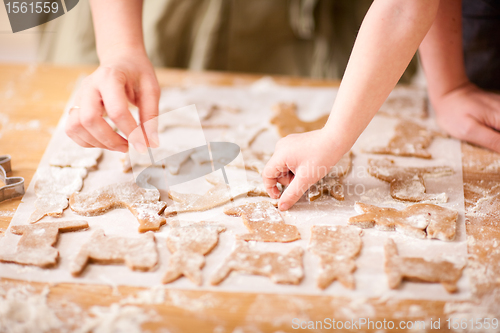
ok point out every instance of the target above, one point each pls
(418, 220)
(287, 122)
(36, 246)
(337, 247)
(53, 187)
(280, 268)
(189, 244)
(399, 268)
(138, 253)
(218, 195)
(407, 183)
(410, 140)
(332, 182)
(143, 203)
(264, 222)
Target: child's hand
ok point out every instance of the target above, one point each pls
(470, 114)
(124, 77)
(300, 160)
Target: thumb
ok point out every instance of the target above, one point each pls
(299, 185)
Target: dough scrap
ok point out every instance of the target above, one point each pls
(264, 222)
(188, 245)
(337, 247)
(332, 183)
(280, 268)
(407, 183)
(218, 195)
(74, 156)
(139, 254)
(53, 187)
(173, 166)
(287, 122)
(143, 203)
(405, 102)
(398, 268)
(36, 246)
(410, 140)
(418, 220)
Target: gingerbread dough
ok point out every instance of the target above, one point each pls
(410, 140)
(53, 187)
(74, 156)
(280, 268)
(332, 182)
(287, 122)
(218, 195)
(139, 254)
(419, 220)
(143, 203)
(188, 245)
(407, 183)
(264, 222)
(398, 268)
(36, 246)
(337, 247)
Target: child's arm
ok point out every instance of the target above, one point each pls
(462, 109)
(389, 37)
(124, 75)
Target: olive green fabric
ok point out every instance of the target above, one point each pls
(311, 38)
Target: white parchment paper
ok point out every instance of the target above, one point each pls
(255, 103)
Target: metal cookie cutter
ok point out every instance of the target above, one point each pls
(13, 186)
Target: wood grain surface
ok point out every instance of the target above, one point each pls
(32, 99)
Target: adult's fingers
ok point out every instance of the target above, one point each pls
(79, 134)
(115, 100)
(147, 101)
(90, 116)
(482, 135)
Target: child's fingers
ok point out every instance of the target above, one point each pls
(294, 191)
(275, 170)
(147, 102)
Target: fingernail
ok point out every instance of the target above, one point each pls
(284, 206)
(140, 147)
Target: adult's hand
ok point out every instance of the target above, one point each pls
(126, 77)
(470, 114)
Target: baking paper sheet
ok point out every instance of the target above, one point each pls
(255, 102)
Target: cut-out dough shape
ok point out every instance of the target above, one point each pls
(264, 222)
(399, 268)
(332, 183)
(419, 220)
(410, 140)
(53, 187)
(173, 166)
(36, 246)
(337, 247)
(287, 122)
(189, 244)
(407, 183)
(280, 268)
(206, 113)
(218, 195)
(74, 156)
(143, 203)
(405, 102)
(139, 254)
(252, 160)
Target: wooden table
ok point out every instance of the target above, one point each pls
(32, 99)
